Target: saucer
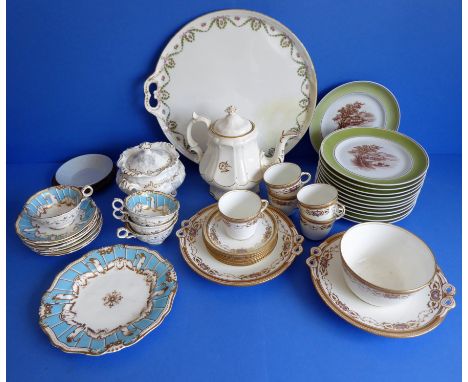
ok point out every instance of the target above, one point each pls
(73, 245)
(27, 230)
(108, 299)
(412, 317)
(198, 257)
(215, 236)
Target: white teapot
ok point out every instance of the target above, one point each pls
(232, 159)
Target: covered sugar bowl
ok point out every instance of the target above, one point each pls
(150, 166)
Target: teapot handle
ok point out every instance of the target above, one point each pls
(194, 147)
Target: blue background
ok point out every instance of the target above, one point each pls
(75, 73)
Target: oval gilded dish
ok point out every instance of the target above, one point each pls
(108, 299)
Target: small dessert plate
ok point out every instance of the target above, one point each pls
(198, 257)
(108, 299)
(96, 170)
(216, 237)
(423, 312)
(29, 231)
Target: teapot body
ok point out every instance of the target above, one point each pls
(231, 163)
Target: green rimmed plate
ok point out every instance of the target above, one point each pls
(381, 189)
(365, 194)
(357, 103)
(390, 218)
(375, 156)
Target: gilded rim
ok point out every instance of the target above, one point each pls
(384, 333)
(260, 280)
(379, 288)
(243, 220)
(323, 222)
(286, 185)
(261, 250)
(236, 136)
(282, 198)
(144, 332)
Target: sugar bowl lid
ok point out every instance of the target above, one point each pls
(148, 159)
(232, 125)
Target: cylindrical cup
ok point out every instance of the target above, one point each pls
(284, 180)
(319, 202)
(240, 210)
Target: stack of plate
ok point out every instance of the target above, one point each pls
(56, 242)
(378, 173)
(240, 252)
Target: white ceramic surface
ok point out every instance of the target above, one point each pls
(413, 317)
(240, 211)
(385, 264)
(84, 169)
(315, 231)
(288, 206)
(209, 64)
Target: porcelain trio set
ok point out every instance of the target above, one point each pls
(367, 172)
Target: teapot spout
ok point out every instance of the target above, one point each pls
(278, 156)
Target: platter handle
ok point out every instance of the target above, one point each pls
(312, 260)
(150, 81)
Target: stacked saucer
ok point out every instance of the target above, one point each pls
(240, 252)
(378, 173)
(58, 221)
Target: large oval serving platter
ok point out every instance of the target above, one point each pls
(233, 57)
(108, 299)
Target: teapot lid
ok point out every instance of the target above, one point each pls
(232, 125)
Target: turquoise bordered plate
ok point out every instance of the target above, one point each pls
(108, 299)
(375, 156)
(357, 103)
(26, 229)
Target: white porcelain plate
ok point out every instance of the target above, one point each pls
(202, 262)
(410, 318)
(108, 300)
(373, 157)
(233, 57)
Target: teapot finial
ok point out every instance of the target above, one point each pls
(231, 110)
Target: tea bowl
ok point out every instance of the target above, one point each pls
(146, 208)
(56, 207)
(154, 238)
(384, 264)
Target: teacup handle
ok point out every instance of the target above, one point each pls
(124, 233)
(116, 202)
(264, 205)
(120, 215)
(87, 191)
(340, 210)
(307, 179)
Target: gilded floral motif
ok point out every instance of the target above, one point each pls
(112, 298)
(224, 166)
